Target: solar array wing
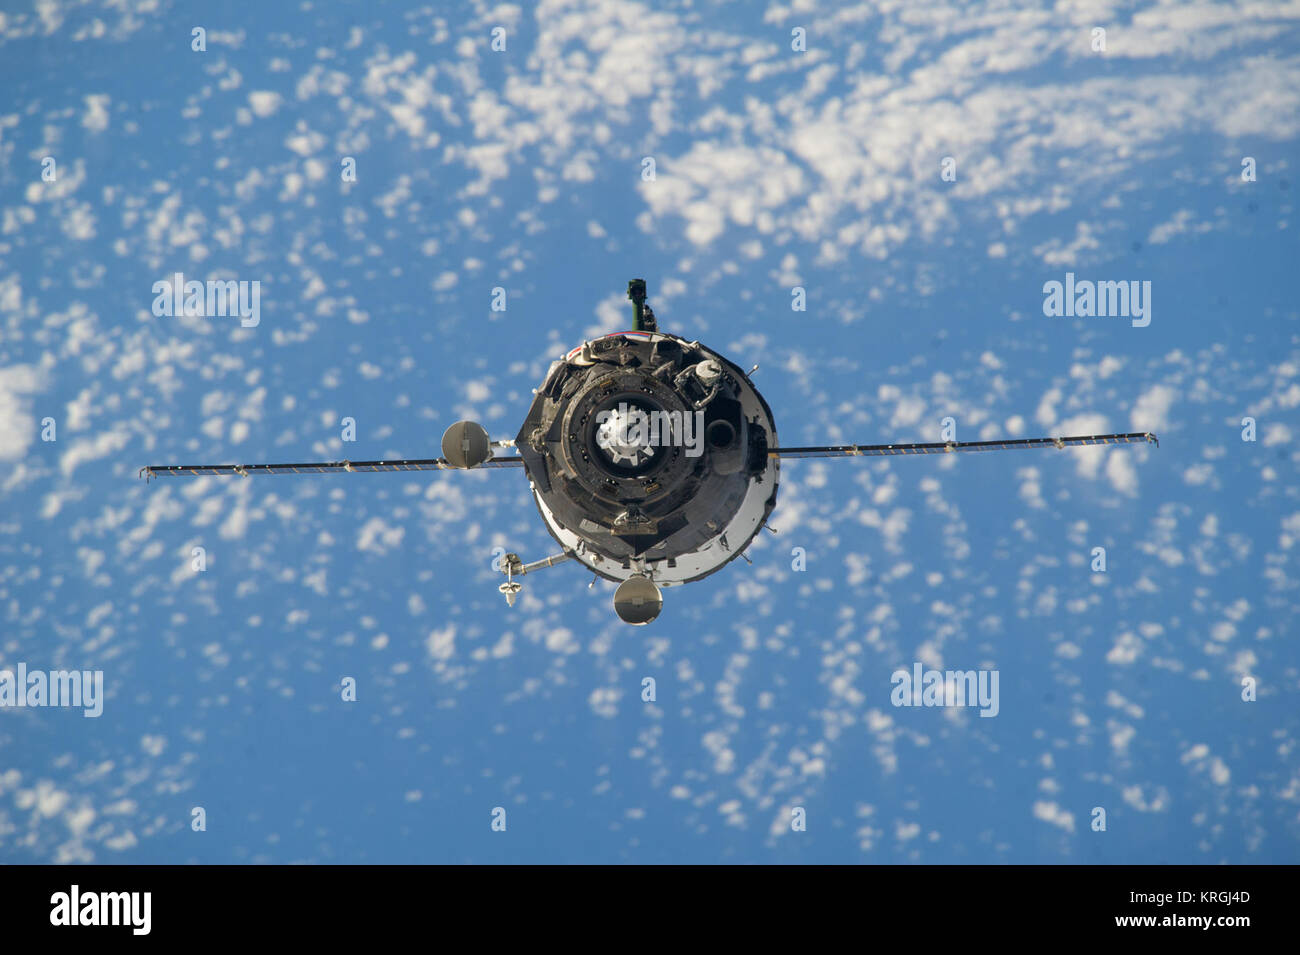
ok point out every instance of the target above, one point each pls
(948, 447)
(322, 467)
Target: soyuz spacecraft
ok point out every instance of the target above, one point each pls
(653, 460)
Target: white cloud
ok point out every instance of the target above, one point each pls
(1056, 815)
(1151, 412)
(441, 644)
(18, 426)
(264, 102)
(95, 119)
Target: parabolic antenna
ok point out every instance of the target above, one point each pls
(638, 601)
(466, 444)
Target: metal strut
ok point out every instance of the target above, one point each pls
(513, 567)
(643, 319)
(518, 568)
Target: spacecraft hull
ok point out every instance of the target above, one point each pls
(647, 454)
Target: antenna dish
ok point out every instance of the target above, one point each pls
(638, 601)
(466, 444)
